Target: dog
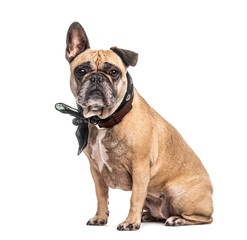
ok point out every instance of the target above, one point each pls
(130, 146)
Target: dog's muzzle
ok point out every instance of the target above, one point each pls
(96, 89)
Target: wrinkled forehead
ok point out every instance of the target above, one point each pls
(97, 58)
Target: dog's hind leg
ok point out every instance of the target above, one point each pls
(190, 207)
(153, 207)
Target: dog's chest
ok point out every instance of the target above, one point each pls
(99, 152)
(111, 156)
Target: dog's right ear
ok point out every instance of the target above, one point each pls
(77, 41)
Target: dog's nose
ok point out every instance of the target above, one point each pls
(96, 79)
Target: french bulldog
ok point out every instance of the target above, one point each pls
(130, 146)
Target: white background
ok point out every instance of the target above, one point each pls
(191, 69)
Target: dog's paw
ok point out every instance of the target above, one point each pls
(175, 221)
(147, 217)
(126, 226)
(97, 221)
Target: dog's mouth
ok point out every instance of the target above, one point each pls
(91, 97)
(95, 101)
(96, 94)
(95, 108)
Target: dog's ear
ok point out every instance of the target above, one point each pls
(128, 57)
(76, 41)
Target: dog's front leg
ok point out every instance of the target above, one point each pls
(102, 190)
(140, 179)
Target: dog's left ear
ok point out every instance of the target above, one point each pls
(128, 57)
(77, 41)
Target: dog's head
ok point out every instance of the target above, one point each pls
(98, 77)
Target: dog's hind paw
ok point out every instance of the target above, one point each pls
(147, 217)
(175, 221)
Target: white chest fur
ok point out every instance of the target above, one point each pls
(99, 153)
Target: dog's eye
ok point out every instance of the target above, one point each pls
(80, 72)
(113, 73)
